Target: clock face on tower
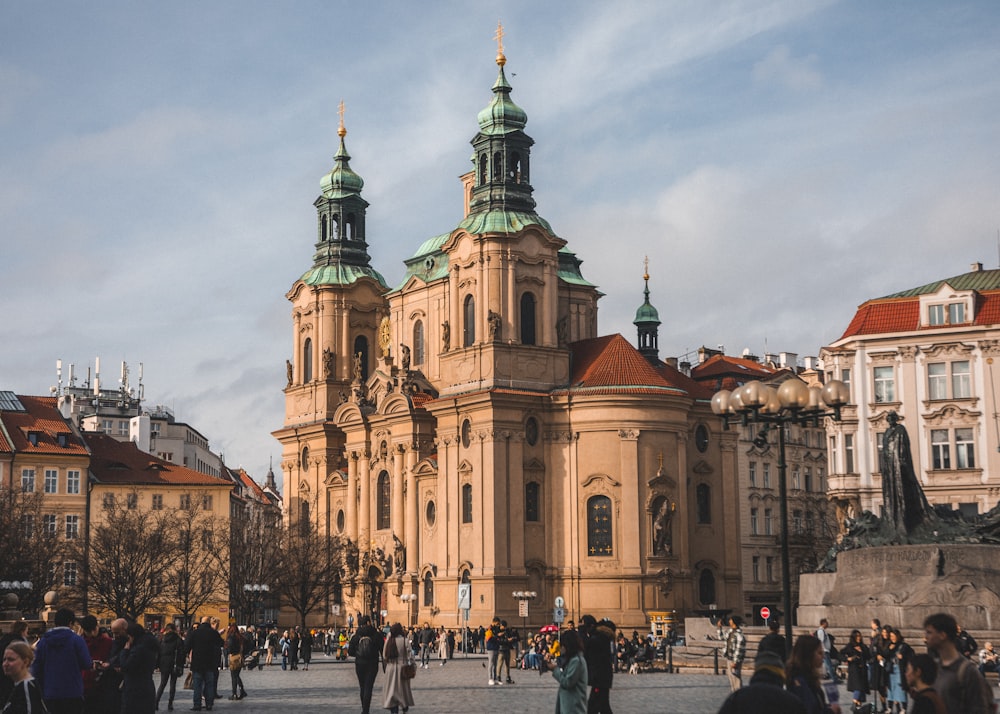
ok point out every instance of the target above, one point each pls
(701, 438)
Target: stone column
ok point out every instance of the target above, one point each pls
(412, 513)
(397, 491)
(630, 528)
(364, 527)
(352, 496)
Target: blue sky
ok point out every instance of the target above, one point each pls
(779, 163)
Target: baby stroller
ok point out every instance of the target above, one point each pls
(252, 660)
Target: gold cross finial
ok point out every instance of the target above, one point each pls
(341, 131)
(659, 457)
(645, 268)
(501, 60)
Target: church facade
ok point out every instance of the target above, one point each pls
(468, 434)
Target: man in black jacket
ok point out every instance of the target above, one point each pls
(365, 647)
(598, 644)
(204, 644)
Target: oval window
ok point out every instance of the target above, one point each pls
(431, 513)
(531, 431)
(466, 433)
(701, 438)
(340, 521)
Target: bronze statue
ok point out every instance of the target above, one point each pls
(905, 506)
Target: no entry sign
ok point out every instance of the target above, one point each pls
(765, 613)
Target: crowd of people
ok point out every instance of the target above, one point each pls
(881, 665)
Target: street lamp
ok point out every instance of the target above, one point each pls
(257, 593)
(523, 597)
(408, 598)
(792, 403)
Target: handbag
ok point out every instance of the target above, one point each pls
(235, 662)
(189, 681)
(408, 671)
(178, 670)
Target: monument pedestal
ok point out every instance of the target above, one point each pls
(903, 584)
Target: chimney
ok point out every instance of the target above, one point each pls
(976, 268)
(788, 359)
(809, 362)
(671, 362)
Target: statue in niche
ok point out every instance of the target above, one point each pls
(357, 367)
(662, 528)
(905, 505)
(445, 336)
(495, 322)
(288, 372)
(562, 330)
(398, 554)
(404, 358)
(351, 556)
(328, 362)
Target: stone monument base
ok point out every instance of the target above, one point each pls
(903, 584)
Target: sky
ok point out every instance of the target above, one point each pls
(779, 162)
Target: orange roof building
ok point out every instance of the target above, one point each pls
(928, 354)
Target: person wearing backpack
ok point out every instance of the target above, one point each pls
(364, 647)
(961, 687)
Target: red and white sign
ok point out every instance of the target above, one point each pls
(765, 613)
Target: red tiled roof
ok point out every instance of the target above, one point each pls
(116, 462)
(250, 484)
(613, 363)
(887, 315)
(723, 365)
(41, 417)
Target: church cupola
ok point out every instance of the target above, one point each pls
(501, 156)
(341, 213)
(647, 323)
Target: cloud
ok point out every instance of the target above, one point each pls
(779, 67)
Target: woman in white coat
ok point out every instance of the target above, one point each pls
(396, 655)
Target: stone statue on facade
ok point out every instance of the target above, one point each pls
(327, 362)
(351, 557)
(445, 336)
(357, 367)
(495, 322)
(662, 524)
(404, 357)
(398, 554)
(288, 372)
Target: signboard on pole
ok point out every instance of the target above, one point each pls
(522, 608)
(465, 596)
(765, 613)
(558, 615)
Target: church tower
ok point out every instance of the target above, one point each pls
(337, 306)
(647, 323)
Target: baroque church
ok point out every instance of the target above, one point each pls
(468, 434)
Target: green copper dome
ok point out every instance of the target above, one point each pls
(342, 181)
(646, 313)
(502, 116)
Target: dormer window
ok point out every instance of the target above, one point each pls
(949, 314)
(62, 439)
(947, 306)
(33, 438)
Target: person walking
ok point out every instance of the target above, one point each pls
(803, 675)
(18, 629)
(204, 644)
(765, 694)
(492, 649)
(857, 656)
(171, 663)
(597, 647)
(24, 697)
(961, 687)
(234, 647)
(426, 640)
(96, 696)
(365, 647)
(61, 656)
(395, 657)
(572, 675)
(920, 675)
(735, 652)
(138, 660)
(306, 648)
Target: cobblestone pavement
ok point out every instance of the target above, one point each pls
(460, 686)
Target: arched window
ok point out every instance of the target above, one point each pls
(599, 541)
(384, 503)
(514, 171)
(304, 517)
(484, 169)
(304, 462)
(428, 590)
(703, 495)
(498, 166)
(531, 502)
(361, 347)
(323, 228)
(706, 587)
(335, 227)
(527, 319)
(418, 342)
(349, 232)
(467, 503)
(307, 360)
(469, 321)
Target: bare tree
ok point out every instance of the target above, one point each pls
(195, 574)
(34, 546)
(309, 567)
(254, 542)
(128, 551)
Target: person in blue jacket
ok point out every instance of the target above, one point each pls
(61, 655)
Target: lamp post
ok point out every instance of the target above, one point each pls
(523, 597)
(792, 403)
(257, 592)
(408, 598)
